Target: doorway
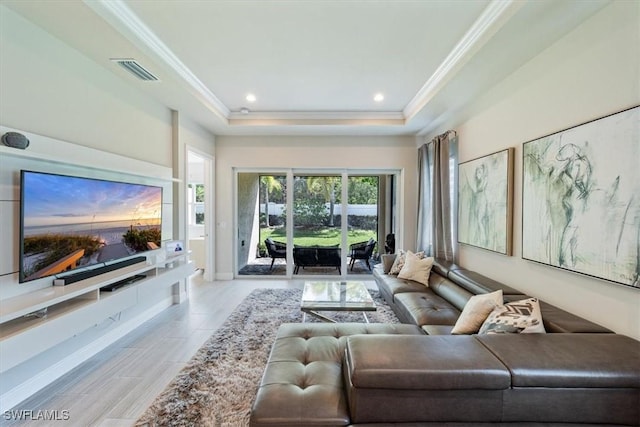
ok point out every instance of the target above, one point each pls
(200, 218)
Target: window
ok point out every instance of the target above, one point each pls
(195, 204)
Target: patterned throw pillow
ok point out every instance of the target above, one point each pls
(399, 261)
(416, 268)
(476, 311)
(518, 317)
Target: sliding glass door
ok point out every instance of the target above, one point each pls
(317, 226)
(363, 213)
(294, 223)
(261, 200)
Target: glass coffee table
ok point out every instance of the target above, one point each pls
(335, 296)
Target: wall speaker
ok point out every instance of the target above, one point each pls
(15, 140)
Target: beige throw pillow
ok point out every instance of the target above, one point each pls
(476, 311)
(398, 263)
(518, 317)
(416, 268)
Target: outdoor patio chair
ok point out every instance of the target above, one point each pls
(276, 250)
(363, 251)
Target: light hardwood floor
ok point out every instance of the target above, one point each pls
(115, 387)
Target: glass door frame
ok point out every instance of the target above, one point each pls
(291, 173)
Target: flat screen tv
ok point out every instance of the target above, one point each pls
(70, 223)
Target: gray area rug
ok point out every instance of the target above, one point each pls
(218, 385)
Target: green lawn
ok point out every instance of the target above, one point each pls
(316, 237)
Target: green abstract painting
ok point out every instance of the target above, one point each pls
(581, 198)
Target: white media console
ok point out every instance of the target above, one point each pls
(36, 321)
(46, 330)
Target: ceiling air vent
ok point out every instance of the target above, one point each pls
(132, 66)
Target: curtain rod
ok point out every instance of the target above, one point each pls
(449, 131)
(445, 134)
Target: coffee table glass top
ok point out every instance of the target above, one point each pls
(337, 296)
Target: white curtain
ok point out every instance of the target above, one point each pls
(438, 197)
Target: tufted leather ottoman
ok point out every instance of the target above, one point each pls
(302, 384)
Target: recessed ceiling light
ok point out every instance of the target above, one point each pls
(378, 97)
(251, 98)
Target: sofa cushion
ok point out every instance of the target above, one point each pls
(443, 267)
(416, 268)
(425, 308)
(395, 379)
(392, 285)
(476, 312)
(423, 363)
(579, 378)
(568, 360)
(477, 283)
(521, 316)
(452, 293)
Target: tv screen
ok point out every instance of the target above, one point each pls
(69, 223)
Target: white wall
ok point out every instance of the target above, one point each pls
(348, 152)
(74, 111)
(592, 72)
(50, 89)
(194, 136)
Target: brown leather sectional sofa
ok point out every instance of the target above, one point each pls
(417, 373)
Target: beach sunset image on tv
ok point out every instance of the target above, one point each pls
(70, 222)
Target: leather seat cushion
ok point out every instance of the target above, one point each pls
(394, 379)
(396, 286)
(585, 378)
(426, 308)
(423, 363)
(568, 360)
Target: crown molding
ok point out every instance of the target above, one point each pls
(495, 15)
(291, 118)
(127, 23)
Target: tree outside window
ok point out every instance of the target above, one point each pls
(196, 204)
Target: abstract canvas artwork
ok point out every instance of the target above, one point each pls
(581, 198)
(485, 190)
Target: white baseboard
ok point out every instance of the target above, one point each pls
(224, 276)
(45, 377)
